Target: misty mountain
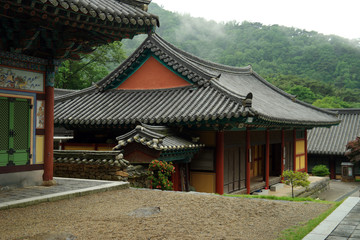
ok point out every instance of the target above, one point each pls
(320, 69)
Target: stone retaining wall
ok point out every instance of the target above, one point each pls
(314, 189)
(101, 165)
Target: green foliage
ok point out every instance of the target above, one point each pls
(353, 150)
(323, 70)
(161, 173)
(296, 179)
(320, 170)
(331, 102)
(303, 93)
(91, 68)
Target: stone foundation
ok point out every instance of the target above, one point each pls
(314, 189)
(108, 165)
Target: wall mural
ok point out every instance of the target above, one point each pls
(40, 114)
(20, 79)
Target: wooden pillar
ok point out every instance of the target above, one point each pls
(49, 135)
(49, 125)
(187, 177)
(248, 161)
(294, 153)
(220, 162)
(267, 159)
(176, 177)
(306, 155)
(332, 168)
(282, 154)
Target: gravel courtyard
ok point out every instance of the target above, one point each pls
(147, 214)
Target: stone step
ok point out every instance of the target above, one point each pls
(276, 187)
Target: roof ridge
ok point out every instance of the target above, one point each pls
(207, 63)
(75, 93)
(345, 110)
(141, 134)
(151, 90)
(292, 97)
(167, 55)
(100, 84)
(139, 129)
(170, 47)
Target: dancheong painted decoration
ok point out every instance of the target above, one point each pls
(20, 79)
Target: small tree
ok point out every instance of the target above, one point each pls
(353, 150)
(296, 179)
(161, 173)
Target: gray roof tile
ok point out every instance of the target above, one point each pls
(218, 92)
(129, 12)
(157, 137)
(332, 141)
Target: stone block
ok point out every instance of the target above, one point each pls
(276, 187)
(122, 173)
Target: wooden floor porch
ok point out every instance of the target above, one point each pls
(257, 183)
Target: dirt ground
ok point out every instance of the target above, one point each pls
(149, 214)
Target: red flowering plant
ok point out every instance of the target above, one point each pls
(161, 173)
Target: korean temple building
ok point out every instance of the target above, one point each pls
(35, 36)
(246, 131)
(327, 146)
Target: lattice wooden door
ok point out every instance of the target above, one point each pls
(15, 119)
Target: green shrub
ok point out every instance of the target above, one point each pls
(161, 173)
(320, 170)
(296, 179)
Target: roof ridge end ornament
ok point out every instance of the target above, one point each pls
(251, 69)
(247, 103)
(216, 78)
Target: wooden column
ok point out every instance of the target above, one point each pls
(49, 135)
(49, 125)
(282, 154)
(306, 155)
(332, 168)
(267, 160)
(176, 178)
(248, 156)
(220, 162)
(294, 153)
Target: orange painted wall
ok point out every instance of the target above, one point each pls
(153, 75)
(203, 181)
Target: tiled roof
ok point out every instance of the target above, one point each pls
(117, 107)
(156, 137)
(111, 158)
(63, 29)
(218, 93)
(129, 12)
(332, 141)
(59, 91)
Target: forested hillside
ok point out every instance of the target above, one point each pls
(320, 69)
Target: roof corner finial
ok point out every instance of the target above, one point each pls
(248, 100)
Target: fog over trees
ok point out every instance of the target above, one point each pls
(323, 70)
